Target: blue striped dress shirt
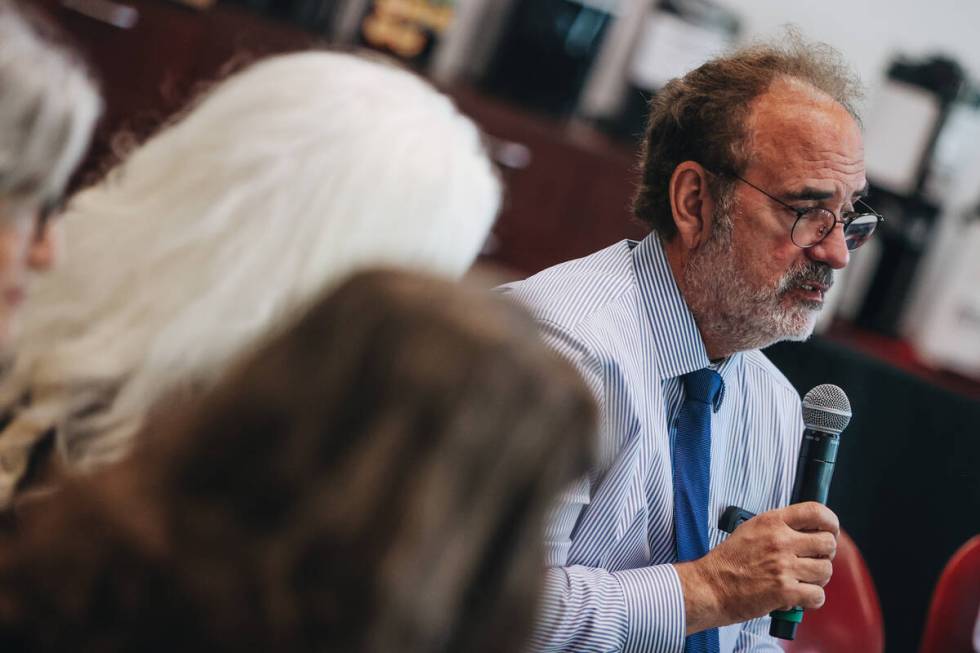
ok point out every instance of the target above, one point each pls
(619, 316)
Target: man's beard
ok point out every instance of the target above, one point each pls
(739, 312)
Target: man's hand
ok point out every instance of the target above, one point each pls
(774, 561)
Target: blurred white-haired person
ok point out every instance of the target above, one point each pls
(48, 107)
(281, 181)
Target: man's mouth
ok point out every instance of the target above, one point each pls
(814, 286)
(813, 291)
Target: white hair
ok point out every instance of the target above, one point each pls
(283, 180)
(48, 107)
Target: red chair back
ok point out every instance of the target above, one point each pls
(850, 620)
(955, 603)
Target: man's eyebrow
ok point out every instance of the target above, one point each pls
(808, 193)
(819, 194)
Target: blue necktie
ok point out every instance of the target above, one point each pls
(692, 476)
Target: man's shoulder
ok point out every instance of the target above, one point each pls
(569, 293)
(767, 376)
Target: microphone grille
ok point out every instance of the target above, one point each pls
(826, 408)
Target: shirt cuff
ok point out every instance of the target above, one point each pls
(654, 609)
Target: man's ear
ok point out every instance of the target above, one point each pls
(691, 203)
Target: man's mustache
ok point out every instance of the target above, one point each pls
(809, 273)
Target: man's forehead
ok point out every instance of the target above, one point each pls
(795, 110)
(789, 91)
(793, 125)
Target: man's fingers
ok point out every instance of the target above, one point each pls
(809, 597)
(814, 571)
(820, 544)
(811, 516)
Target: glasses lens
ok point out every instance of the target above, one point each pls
(812, 226)
(859, 230)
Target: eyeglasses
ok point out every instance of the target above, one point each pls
(815, 223)
(49, 211)
(39, 217)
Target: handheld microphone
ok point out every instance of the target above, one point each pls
(826, 412)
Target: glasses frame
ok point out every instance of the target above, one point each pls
(41, 216)
(50, 210)
(801, 213)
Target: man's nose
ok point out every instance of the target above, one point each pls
(832, 250)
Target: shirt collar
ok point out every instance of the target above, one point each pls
(680, 348)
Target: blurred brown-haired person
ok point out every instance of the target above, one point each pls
(374, 479)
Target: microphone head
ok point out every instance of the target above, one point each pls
(827, 409)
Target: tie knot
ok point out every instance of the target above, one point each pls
(702, 385)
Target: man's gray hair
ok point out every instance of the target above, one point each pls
(48, 107)
(702, 115)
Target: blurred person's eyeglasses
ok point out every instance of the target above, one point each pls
(39, 216)
(815, 223)
(49, 211)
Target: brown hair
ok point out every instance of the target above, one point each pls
(702, 116)
(375, 479)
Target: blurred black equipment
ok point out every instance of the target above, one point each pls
(546, 51)
(315, 15)
(903, 130)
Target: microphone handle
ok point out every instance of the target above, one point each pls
(814, 471)
(815, 466)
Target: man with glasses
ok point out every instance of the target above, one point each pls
(753, 179)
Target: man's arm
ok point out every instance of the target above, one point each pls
(780, 560)
(587, 609)
(592, 609)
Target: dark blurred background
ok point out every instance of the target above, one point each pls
(560, 87)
